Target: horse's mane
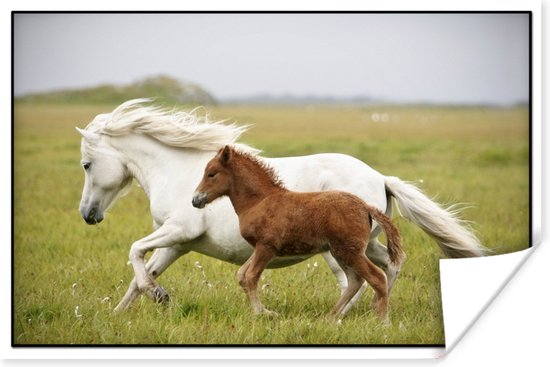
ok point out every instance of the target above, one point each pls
(243, 155)
(174, 128)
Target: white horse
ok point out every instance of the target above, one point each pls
(166, 152)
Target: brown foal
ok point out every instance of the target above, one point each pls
(279, 222)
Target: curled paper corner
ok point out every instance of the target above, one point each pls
(469, 286)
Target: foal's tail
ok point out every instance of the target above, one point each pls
(395, 251)
(443, 224)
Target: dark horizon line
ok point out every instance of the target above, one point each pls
(319, 100)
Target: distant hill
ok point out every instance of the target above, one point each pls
(163, 87)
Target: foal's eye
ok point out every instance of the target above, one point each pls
(86, 165)
(211, 175)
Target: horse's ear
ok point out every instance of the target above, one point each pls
(88, 135)
(225, 155)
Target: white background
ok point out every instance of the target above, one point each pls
(514, 330)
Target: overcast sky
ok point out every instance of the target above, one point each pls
(446, 58)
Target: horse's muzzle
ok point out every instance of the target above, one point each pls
(199, 200)
(92, 217)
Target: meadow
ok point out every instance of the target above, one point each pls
(68, 276)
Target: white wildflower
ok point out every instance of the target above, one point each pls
(120, 284)
(76, 313)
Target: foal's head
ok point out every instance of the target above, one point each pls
(232, 166)
(216, 180)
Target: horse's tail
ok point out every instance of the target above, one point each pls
(451, 233)
(395, 251)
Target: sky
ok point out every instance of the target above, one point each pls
(404, 58)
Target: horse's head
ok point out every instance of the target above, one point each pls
(106, 176)
(216, 180)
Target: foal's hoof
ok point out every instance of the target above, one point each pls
(160, 295)
(386, 322)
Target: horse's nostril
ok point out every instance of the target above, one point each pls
(90, 220)
(92, 217)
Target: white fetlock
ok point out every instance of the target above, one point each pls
(269, 313)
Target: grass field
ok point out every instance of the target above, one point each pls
(68, 276)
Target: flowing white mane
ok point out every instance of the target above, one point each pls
(174, 128)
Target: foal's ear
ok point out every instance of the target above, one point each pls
(225, 155)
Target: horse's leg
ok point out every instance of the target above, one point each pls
(337, 271)
(378, 254)
(250, 273)
(161, 259)
(167, 235)
(355, 282)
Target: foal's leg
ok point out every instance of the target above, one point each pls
(250, 273)
(377, 280)
(242, 270)
(161, 259)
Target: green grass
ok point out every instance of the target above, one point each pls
(470, 155)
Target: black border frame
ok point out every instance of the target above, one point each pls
(304, 346)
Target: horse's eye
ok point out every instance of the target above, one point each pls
(211, 174)
(86, 165)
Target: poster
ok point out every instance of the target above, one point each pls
(203, 275)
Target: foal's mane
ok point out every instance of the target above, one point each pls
(174, 128)
(240, 157)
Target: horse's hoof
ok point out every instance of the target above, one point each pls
(160, 295)
(268, 313)
(392, 271)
